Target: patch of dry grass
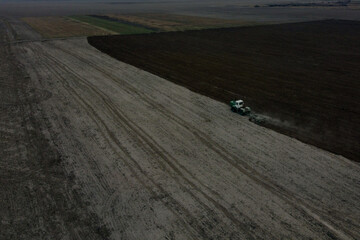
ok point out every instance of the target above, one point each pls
(53, 27)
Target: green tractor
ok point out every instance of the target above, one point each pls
(237, 106)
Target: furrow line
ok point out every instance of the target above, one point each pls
(232, 160)
(159, 151)
(111, 139)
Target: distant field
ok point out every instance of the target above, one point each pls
(174, 22)
(304, 76)
(52, 27)
(118, 27)
(94, 25)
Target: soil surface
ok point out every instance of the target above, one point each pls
(39, 197)
(93, 148)
(303, 78)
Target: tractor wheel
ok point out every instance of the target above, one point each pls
(233, 109)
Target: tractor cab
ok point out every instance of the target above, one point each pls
(238, 107)
(237, 104)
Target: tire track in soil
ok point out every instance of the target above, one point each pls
(304, 211)
(43, 162)
(148, 100)
(169, 159)
(227, 154)
(176, 208)
(105, 185)
(33, 183)
(184, 188)
(313, 214)
(38, 74)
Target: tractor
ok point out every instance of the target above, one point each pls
(237, 106)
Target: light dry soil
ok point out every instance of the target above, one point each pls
(93, 148)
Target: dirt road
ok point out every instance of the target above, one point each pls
(93, 148)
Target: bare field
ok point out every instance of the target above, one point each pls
(98, 149)
(303, 77)
(54, 27)
(39, 199)
(175, 22)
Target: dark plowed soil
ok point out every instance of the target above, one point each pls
(304, 76)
